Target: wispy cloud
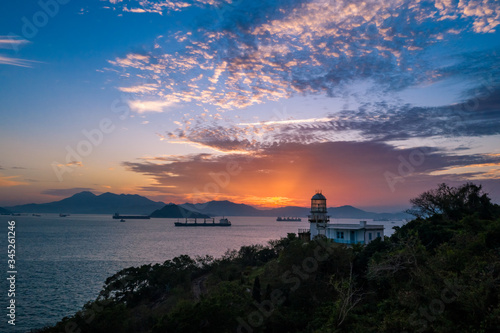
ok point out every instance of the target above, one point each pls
(71, 164)
(13, 43)
(476, 116)
(161, 6)
(473, 171)
(140, 89)
(287, 122)
(9, 181)
(143, 106)
(352, 171)
(6, 60)
(254, 52)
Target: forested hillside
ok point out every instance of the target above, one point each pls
(438, 273)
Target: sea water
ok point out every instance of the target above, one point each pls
(62, 262)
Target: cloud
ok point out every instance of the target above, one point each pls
(218, 137)
(65, 192)
(13, 42)
(9, 181)
(143, 106)
(6, 60)
(141, 89)
(246, 52)
(473, 171)
(72, 164)
(241, 53)
(477, 116)
(367, 173)
(161, 6)
(286, 122)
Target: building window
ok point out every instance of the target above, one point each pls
(378, 234)
(340, 234)
(370, 236)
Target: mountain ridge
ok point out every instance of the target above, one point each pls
(228, 208)
(87, 202)
(176, 211)
(4, 211)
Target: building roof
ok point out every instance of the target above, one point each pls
(318, 196)
(354, 226)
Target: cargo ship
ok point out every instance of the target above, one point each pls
(131, 217)
(287, 219)
(210, 222)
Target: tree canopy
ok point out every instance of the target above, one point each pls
(452, 202)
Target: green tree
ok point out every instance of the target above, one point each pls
(452, 202)
(256, 289)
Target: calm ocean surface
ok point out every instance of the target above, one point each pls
(62, 263)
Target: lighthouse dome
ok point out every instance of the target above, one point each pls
(318, 196)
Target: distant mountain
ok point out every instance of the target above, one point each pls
(223, 208)
(4, 211)
(89, 203)
(175, 211)
(342, 212)
(228, 208)
(292, 211)
(109, 203)
(350, 212)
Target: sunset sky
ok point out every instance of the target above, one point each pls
(257, 102)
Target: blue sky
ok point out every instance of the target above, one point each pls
(385, 98)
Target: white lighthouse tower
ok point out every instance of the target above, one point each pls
(318, 218)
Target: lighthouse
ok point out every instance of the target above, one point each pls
(318, 218)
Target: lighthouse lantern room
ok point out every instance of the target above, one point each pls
(318, 219)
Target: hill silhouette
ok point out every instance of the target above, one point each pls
(88, 203)
(228, 208)
(175, 211)
(4, 211)
(109, 203)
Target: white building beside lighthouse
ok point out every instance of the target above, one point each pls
(344, 233)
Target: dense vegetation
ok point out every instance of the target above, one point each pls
(438, 273)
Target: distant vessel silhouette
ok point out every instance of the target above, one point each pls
(210, 222)
(130, 217)
(288, 219)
